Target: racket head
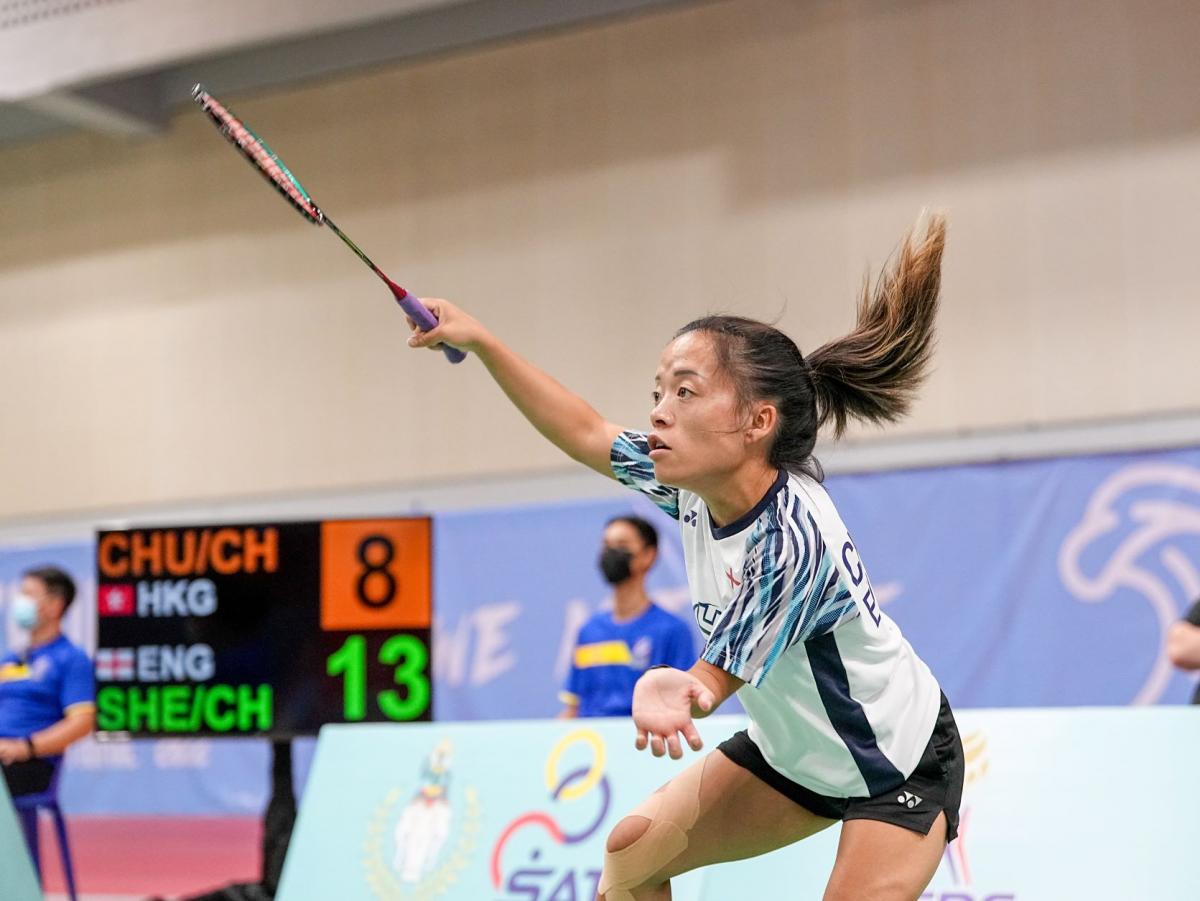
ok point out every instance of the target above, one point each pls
(259, 154)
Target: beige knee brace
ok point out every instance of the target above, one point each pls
(672, 811)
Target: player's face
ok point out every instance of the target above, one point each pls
(697, 437)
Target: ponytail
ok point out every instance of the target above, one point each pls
(872, 373)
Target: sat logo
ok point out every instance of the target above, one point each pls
(543, 872)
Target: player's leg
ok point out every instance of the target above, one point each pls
(714, 811)
(879, 861)
(891, 844)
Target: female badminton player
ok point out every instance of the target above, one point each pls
(846, 722)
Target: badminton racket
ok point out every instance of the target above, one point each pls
(271, 167)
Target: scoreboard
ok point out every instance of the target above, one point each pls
(269, 629)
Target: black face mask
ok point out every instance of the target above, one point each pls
(614, 564)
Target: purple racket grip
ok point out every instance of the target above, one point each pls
(419, 314)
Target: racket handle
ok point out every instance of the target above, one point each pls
(420, 314)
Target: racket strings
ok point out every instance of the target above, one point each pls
(260, 155)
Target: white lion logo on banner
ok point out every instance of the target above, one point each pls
(1141, 527)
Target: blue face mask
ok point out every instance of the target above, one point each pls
(23, 611)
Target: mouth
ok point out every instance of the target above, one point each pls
(657, 445)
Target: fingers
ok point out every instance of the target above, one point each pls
(705, 700)
(668, 745)
(429, 340)
(435, 308)
(673, 746)
(420, 337)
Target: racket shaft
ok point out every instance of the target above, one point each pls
(412, 306)
(358, 250)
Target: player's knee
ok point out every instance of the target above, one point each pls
(630, 859)
(643, 844)
(626, 832)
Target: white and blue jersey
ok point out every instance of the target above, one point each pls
(838, 701)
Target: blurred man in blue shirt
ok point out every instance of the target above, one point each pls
(616, 646)
(47, 690)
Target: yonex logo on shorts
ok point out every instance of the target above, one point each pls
(908, 799)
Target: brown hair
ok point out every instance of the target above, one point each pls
(870, 374)
(58, 583)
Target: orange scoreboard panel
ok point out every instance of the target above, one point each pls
(264, 629)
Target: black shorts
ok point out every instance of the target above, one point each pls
(28, 777)
(934, 786)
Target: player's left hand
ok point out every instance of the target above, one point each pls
(662, 710)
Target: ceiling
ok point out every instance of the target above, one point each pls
(120, 67)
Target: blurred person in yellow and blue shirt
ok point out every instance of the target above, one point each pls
(47, 689)
(616, 646)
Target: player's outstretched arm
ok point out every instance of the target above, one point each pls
(564, 418)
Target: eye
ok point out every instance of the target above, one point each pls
(683, 392)
(657, 396)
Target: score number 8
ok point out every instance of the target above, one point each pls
(378, 569)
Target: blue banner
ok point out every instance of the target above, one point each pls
(1039, 583)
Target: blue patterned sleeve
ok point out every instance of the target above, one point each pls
(631, 464)
(790, 592)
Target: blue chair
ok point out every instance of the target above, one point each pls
(27, 810)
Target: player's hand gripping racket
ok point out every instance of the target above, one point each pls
(271, 167)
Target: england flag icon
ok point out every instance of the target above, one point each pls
(114, 664)
(116, 600)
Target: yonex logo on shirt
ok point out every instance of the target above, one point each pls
(908, 799)
(689, 518)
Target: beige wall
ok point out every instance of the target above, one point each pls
(170, 331)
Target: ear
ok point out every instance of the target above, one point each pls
(651, 556)
(763, 419)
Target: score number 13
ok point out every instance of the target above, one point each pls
(407, 654)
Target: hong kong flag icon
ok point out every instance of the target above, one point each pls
(116, 600)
